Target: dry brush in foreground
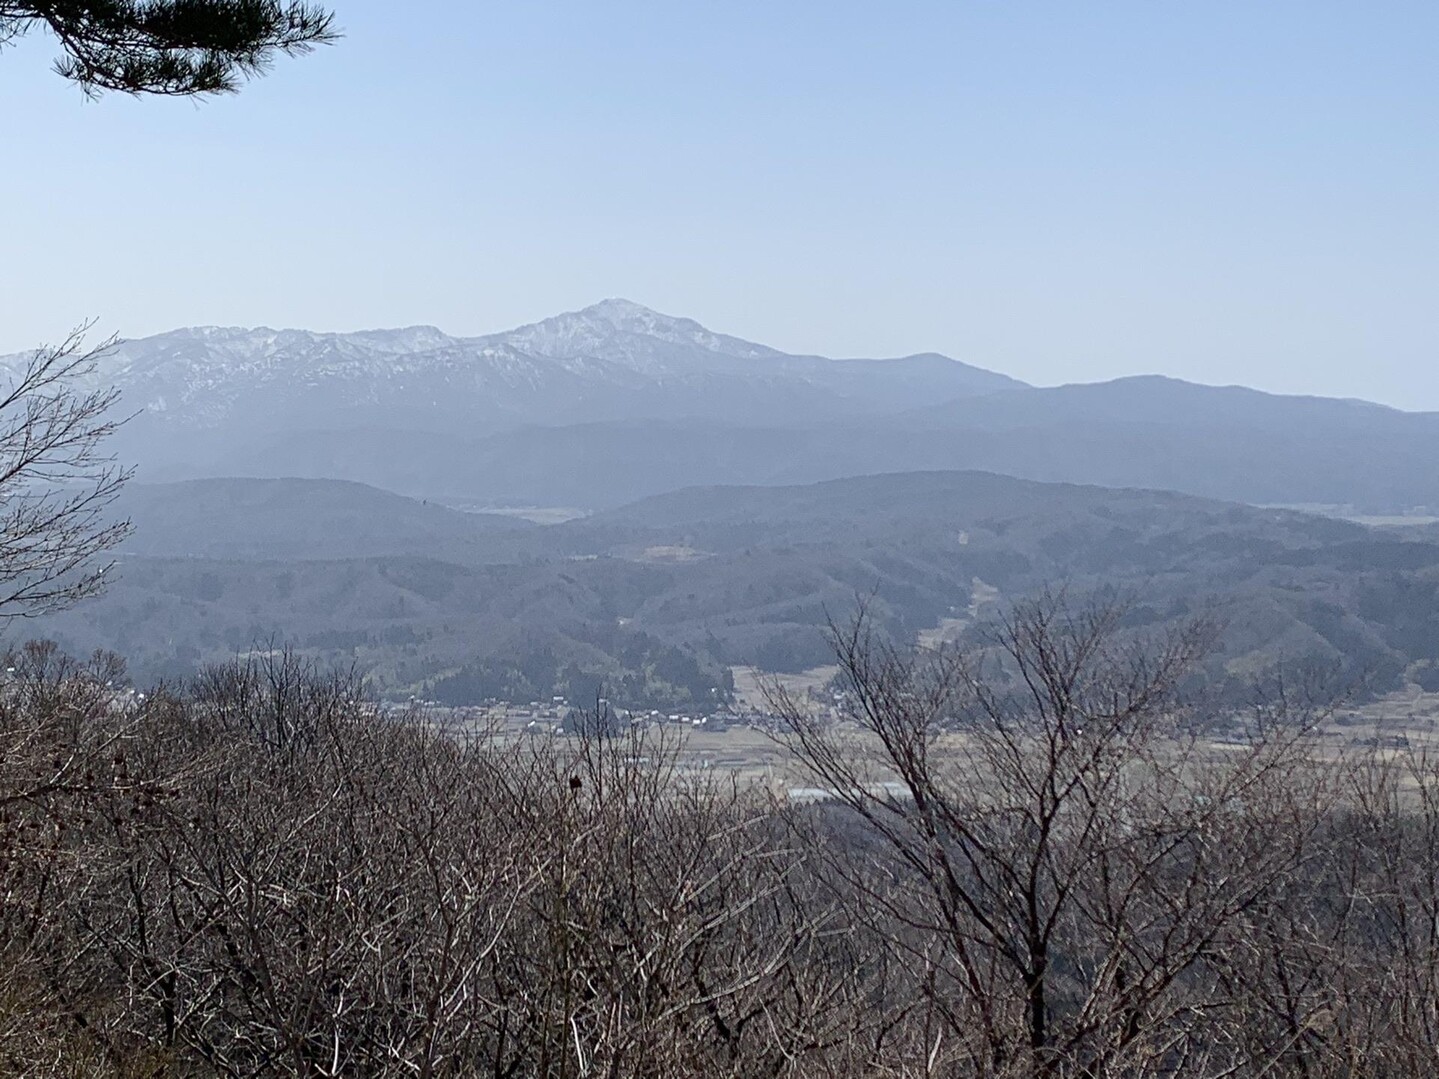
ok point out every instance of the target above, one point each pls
(1058, 876)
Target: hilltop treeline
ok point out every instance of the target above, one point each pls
(1021, 863)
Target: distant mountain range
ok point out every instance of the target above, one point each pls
(615, 360)
(616, 402)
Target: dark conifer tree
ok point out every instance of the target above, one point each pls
(171, 47)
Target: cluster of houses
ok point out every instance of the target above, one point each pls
(555, 714)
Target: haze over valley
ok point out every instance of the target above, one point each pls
(375, 498)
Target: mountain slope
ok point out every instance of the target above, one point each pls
(614, 360)
(1375, 460)
(303, 520)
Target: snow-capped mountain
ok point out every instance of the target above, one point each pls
(630, 334)
(614, 360)
(615, 402)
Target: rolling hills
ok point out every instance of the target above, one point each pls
(658, 599)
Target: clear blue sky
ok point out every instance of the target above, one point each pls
(1226, 192)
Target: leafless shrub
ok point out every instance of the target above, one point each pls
(267, 876)
(1031, 862)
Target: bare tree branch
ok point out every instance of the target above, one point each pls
(57, 482)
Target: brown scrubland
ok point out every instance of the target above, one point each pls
(1036, 859)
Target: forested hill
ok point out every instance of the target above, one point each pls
(661, 597)
(303, 519)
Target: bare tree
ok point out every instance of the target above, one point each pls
(375, 895)
(1033, 863)
(1045, 836)
(58, 483)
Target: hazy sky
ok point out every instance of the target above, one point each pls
(1226, 192)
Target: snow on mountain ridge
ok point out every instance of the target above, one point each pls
(627, 332)
(614, 359)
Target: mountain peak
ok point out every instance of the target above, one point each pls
(618, 307)
(614, 329)
(630, 317)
